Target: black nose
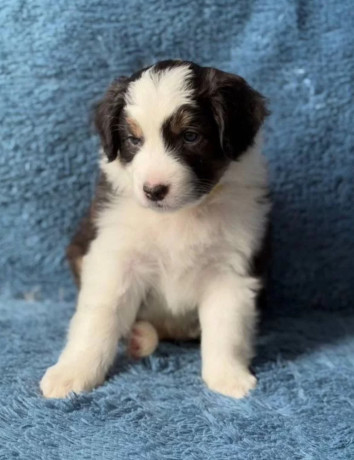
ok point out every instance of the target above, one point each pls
(156, 192)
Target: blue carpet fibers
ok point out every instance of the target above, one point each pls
(56, 58)
(158, 408)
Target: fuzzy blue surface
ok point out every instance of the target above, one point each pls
(56, 58)
(158, 408)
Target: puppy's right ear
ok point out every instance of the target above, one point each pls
(107, 117)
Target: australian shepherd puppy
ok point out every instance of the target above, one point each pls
(180, 214)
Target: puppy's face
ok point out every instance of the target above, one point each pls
(175, 127)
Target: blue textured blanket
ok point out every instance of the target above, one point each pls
(56, 58)
(56, 61)
(158, 408)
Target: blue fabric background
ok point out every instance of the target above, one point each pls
(56, 59)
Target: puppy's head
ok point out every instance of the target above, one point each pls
(174, 128)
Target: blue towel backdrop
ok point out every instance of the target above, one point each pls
(57, 58)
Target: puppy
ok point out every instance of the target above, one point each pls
(180, 214)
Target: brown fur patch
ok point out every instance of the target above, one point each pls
(80, 244)
(86, 231)
(134, 128)
(181, 120)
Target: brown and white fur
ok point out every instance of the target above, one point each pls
(180, 214)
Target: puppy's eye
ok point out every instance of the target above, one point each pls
(190, 137)
(134, 140)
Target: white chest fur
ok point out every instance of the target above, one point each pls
(173, 252)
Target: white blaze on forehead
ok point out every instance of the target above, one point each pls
(155, 96)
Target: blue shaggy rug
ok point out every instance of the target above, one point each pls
(56, 59)
(158, 408)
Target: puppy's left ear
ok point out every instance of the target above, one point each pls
(107, 117)
(239, 111)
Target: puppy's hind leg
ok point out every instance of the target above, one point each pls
(143, 340)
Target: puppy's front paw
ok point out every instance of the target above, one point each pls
(62, 379)
(236, 384)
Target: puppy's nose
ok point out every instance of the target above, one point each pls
(155, 192)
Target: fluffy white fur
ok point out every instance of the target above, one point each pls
(192, 259)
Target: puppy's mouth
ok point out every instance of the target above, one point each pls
(169, 207)
(161, 206)
(166, 205)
